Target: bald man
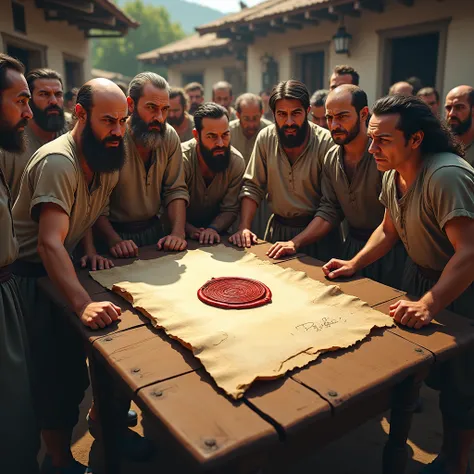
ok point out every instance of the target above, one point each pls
(459, 108)
(65, 188)
(243, 132)
(401, 88)
(222, 95)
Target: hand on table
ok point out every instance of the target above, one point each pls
(172, 242)
(336, 268)
(124, 249)
(243, 238)
(96, 262)
(99, 314)
(209, 236)
(280, 249)
(413, 314)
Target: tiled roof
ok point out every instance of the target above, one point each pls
(191, 43)
(267, 9)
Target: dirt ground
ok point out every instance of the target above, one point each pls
(359, 452)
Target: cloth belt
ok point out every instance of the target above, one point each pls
(360, 234)
(135, 227)
(5, 273)
(28, 269)
(429, 273)
(297, 221)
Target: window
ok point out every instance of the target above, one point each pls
(19, 20)
(189, 77)
(30, 54)
(73, 72)
(310, 66)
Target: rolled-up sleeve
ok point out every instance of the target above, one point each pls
(174, 183)
(255, 177)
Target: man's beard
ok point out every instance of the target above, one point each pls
(193, 108)
(176, 121)
(49, 123)
(250, 132)
(463, 126)
(296, 140)
(12, 139)
(99, 157)
(148, 137)
(347, 136)
(216, 164)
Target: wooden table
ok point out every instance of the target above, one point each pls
(276, 420)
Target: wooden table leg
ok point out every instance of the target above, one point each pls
(404, 401)
(103, 392)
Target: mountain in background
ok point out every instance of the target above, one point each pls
(189, 15)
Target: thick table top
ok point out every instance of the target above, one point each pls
(166, 380)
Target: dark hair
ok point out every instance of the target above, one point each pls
(318, 99)
(345, 69)
(193, 86)
(416, 83)
(359, 99)
(248, 97)
(428, 91)
(208, 110)
(178, 92)
(42, 73)
(85, 97)
(289, 90)
(69, 95)
(417, 116)
(135, 89)
(470, 97)
(6, 63)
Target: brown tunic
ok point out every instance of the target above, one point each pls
(188, 132)
(444, 189)
(9, 244)
(13, 164)
(54, 175)
(293, 189)
(241, 142)
(469, 157)
(141, 190)
(222, 194)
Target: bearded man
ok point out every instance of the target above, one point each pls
(214, 171)
(152, 177)
(286, 163)
(178, 116)
(459, 114)
(48, 123)
(65, 188)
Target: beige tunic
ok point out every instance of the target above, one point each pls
(356, 200)
(222, 194)
(54, 175)
(9, 244)
(241, 142)
(13, 164)
(469, 157)
(140, 192)
(188, 132)
(293, 189)
(444, 189)
(232, 114)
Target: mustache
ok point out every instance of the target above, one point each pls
(112, 139)
(290, 127)
(22, 123)
(53, 107)
(339, 130)
(155, 123)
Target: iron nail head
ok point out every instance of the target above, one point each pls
(108, 339)
(135, 371)
(157, 393)
(419, 349)
(210, 442)
(332, 393)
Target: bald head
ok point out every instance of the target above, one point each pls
(347, 111)
(401, 88)
(249, 112)
(459, 108)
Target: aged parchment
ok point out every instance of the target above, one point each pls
(237, 347)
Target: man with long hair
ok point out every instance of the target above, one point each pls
(286, 164)
(428, 194)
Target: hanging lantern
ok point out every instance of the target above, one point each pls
(342, 40)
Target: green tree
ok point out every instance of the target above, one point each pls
(155, 30)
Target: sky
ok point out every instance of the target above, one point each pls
(225, 6)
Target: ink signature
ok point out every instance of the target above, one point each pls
(324, 323)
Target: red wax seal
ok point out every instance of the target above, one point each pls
(234, 293)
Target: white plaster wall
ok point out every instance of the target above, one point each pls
(58, 37)
(459, 67)
(213, 70)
